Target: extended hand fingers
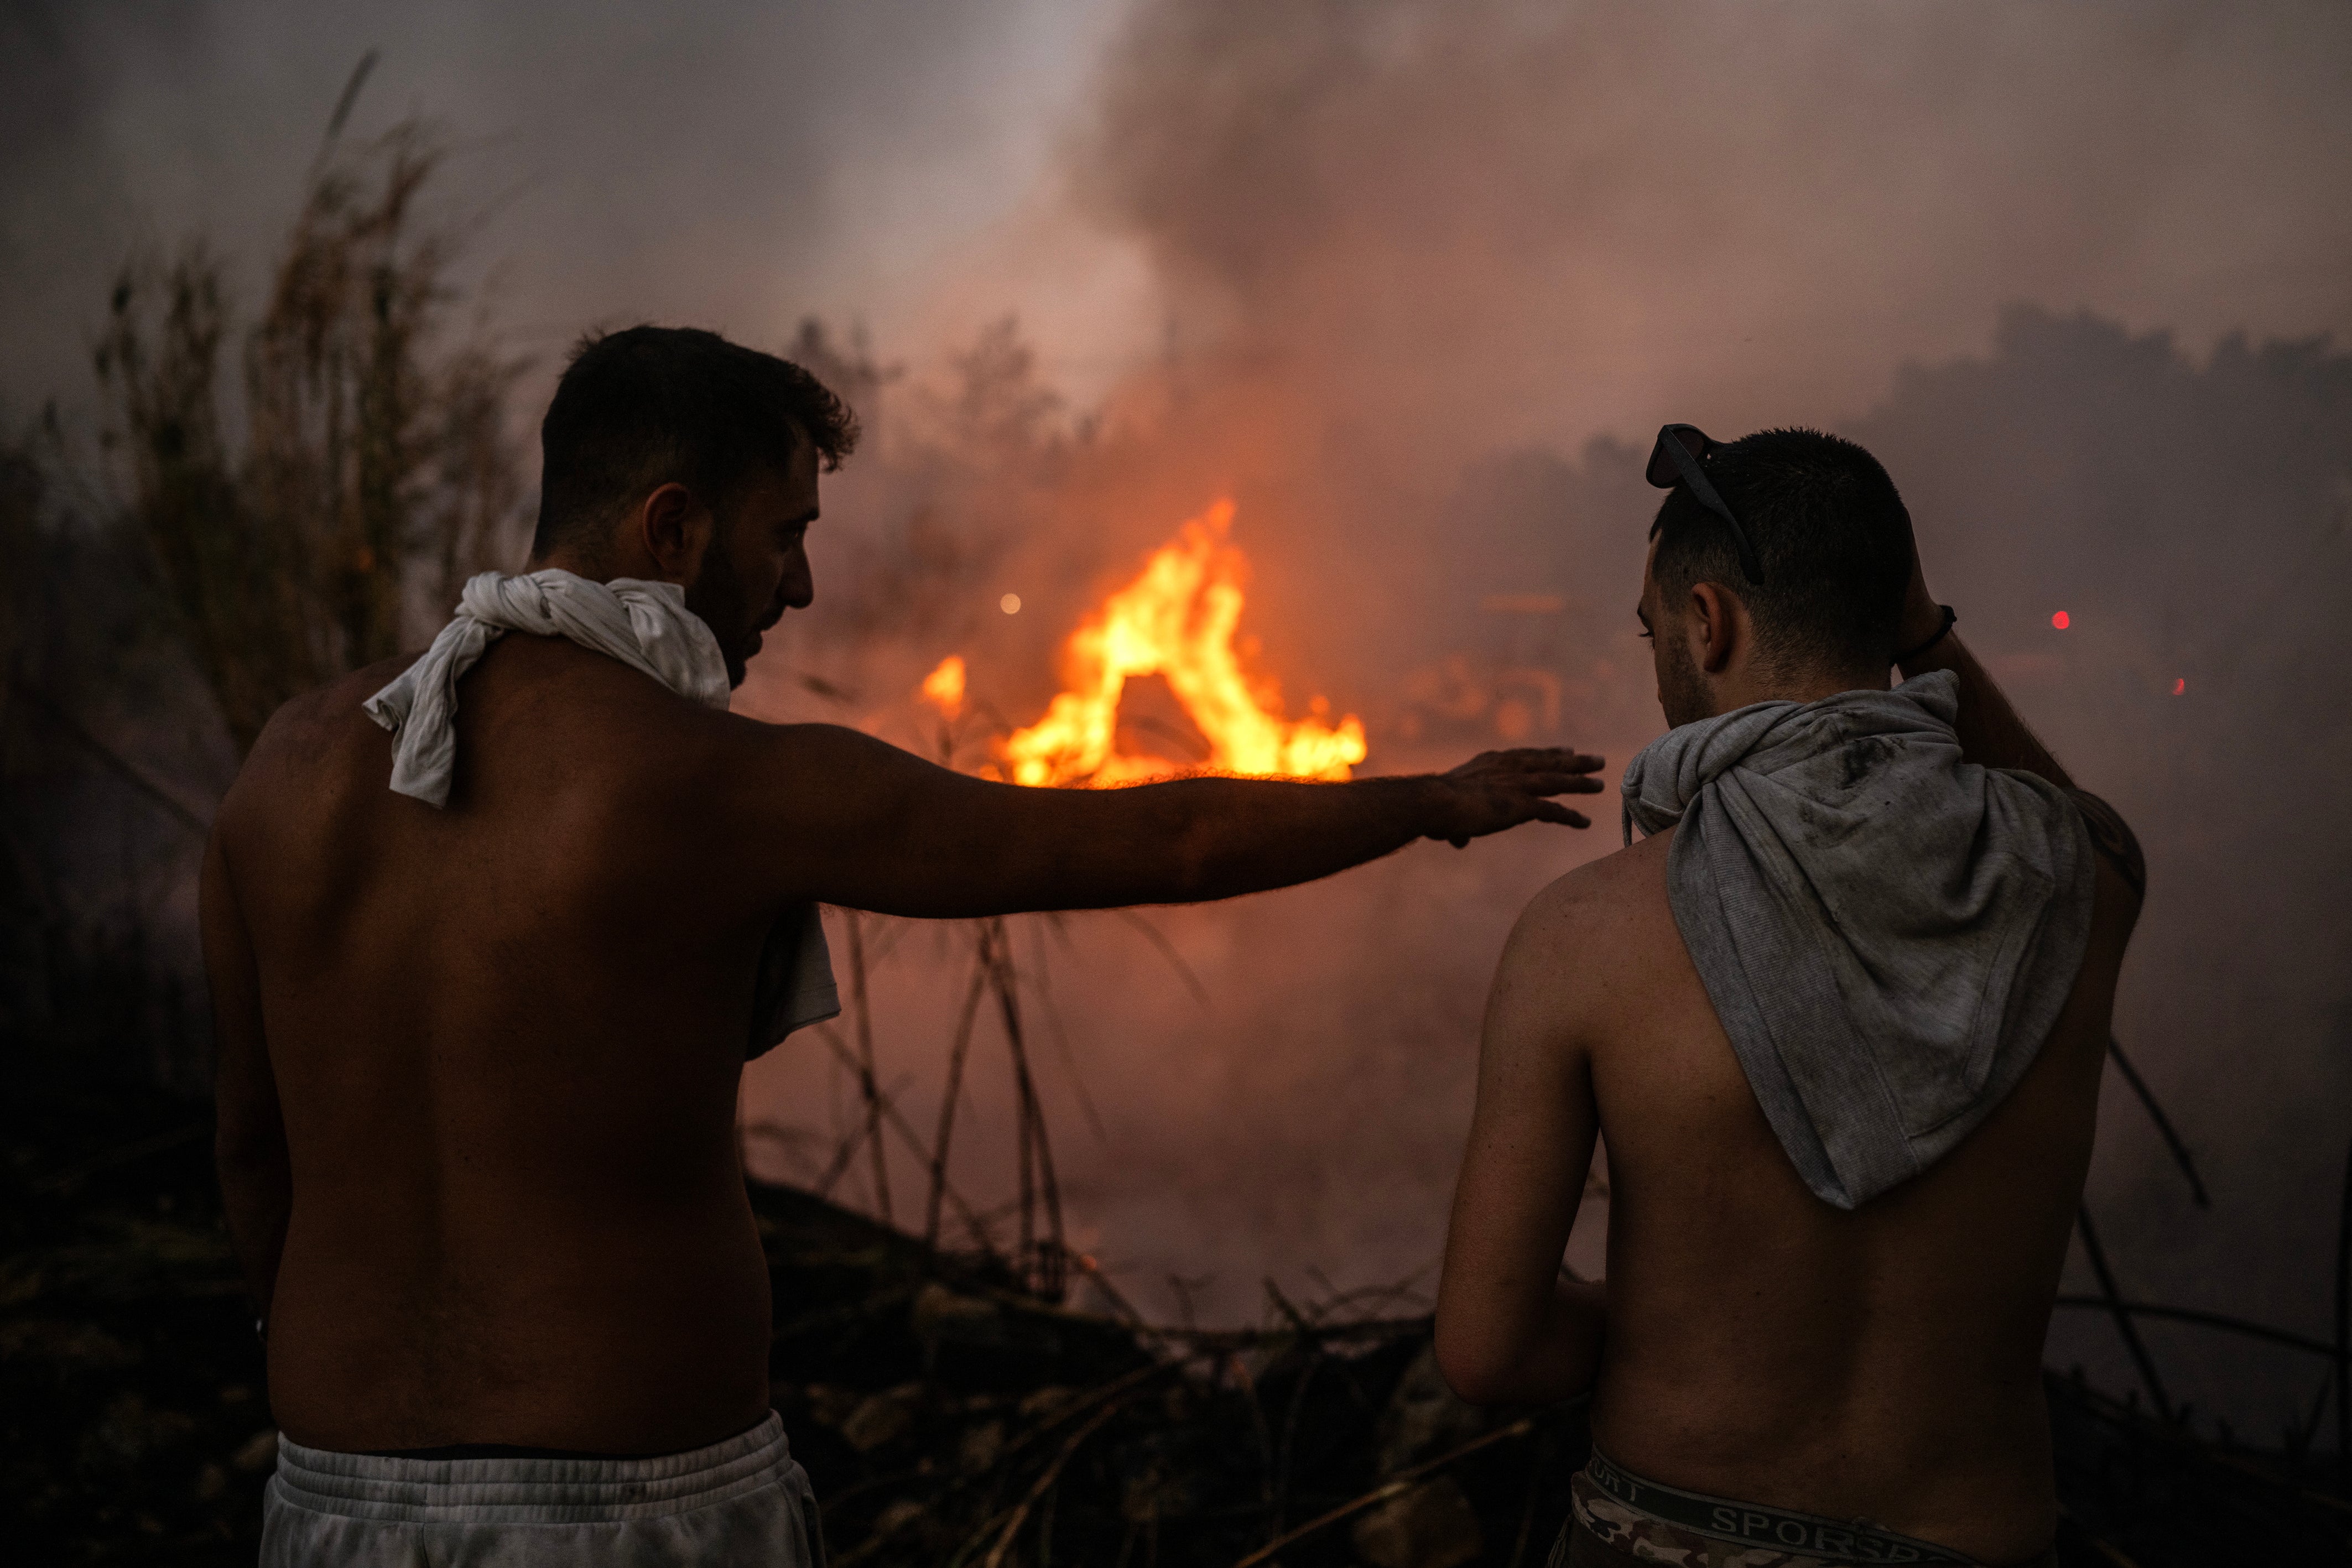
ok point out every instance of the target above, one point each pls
(1550, 760)
(1550, 812)
(1563, 784)
(1512, 766)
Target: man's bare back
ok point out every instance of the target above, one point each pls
(1759, 1342)
(505, 1036)
(1882, 1363)
(483, 987)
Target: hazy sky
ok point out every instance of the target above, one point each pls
(731, 164)
(1497, 221)
(1514, 219)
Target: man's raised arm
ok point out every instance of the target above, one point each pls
(854, 820)
(1991, 734)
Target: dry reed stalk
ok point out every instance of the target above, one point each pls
(1278, 1505)
(1042, 1260)
(865, 1078)
(2226, 1321)
(2121, 1312)
(1052, 1473)
(844, 1149)
(897, 1121)
(376, 469)
(1395, 1486)
(954, 1091)
(2172, 1139)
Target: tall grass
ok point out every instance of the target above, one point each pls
(376, 467)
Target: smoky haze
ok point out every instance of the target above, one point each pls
(1411, 284)
(1425, 274)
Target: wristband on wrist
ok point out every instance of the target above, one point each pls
(1951, 619)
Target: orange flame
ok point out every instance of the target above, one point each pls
(1176, 621)
(943, 687)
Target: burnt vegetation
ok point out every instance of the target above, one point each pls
(947, 1411)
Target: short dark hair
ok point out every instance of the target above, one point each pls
(1831, 533)
(652, 405)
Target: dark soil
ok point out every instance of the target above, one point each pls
(945, 1416)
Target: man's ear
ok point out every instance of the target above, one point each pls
(676, 530)
(1714, 627)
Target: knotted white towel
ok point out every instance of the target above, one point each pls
(647, 627)
(1887, 933)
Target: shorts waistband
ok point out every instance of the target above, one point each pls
(508, 1490)
(1617, 1505)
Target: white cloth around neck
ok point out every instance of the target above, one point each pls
(646, 625)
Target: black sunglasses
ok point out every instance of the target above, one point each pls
(1675, 460)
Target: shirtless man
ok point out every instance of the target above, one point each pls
(1815, 1342)
(482, 1013)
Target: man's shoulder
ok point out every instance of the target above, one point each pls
(1602, 898)
(310, 741)
(1637, 872)
(307, 729)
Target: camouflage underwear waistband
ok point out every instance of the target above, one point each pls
(1655, 1523)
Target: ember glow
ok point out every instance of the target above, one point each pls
(1175, 620)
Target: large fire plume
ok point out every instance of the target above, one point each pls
(1176, 619)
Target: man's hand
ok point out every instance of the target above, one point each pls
(1500, 790)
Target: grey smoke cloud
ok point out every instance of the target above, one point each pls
(1501, 221)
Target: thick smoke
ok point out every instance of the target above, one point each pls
(1426, 272)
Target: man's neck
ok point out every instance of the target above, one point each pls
(575, 562)
(1748, 686)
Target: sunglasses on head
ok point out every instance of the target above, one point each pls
(1675, 460)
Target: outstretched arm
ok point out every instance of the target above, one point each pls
(1512, 1328)
(852, 820)
(249, 1146)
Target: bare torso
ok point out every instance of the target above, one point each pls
(506, 1038)
(477, 1066)
(1882, 1364)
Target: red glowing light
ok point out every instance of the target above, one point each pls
(2180, 685)
(2060, 620)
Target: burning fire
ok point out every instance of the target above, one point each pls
(943, 687)
(1175, 620)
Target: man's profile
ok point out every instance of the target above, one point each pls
(1840, 1019)
(484, 985)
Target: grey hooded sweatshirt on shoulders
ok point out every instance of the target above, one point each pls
(1888, 934)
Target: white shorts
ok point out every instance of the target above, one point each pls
(741, 1501)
